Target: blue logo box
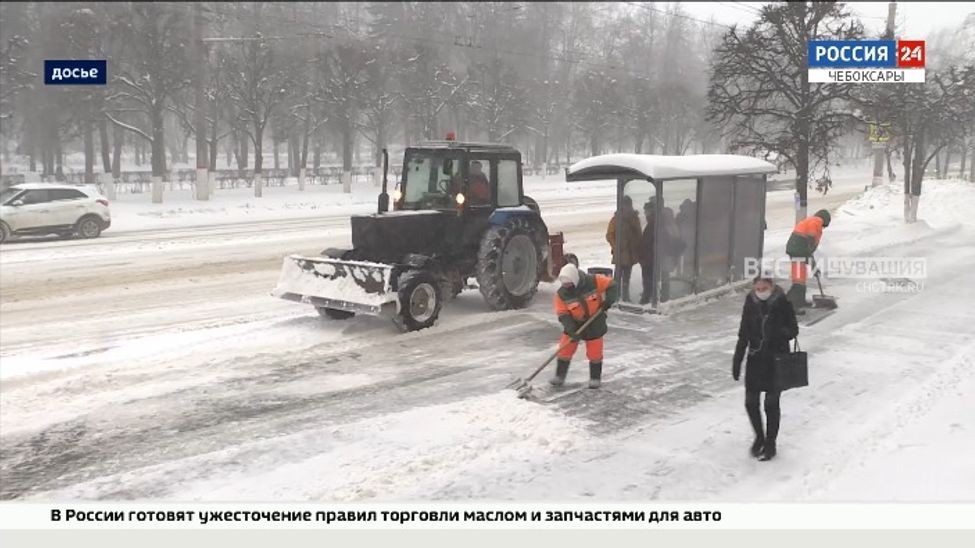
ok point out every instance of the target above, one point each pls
(63, 72)
(852, 53)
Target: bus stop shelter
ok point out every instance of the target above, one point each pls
(703, 217)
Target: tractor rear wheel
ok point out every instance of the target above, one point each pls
(509, 263)
(420, 300)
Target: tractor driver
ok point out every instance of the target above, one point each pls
(477, 185)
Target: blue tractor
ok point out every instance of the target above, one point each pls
(458, 213)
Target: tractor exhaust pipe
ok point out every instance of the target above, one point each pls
(384, 197)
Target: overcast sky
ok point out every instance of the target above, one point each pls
(915, 20)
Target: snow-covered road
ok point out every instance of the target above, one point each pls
(153, 364)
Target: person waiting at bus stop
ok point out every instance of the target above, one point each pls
(580, 297)
(802, 244)
(629, 252)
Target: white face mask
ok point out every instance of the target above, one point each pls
(763, 295)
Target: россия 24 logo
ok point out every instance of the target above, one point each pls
(866, 61)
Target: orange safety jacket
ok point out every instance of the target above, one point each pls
(805, 237)
(575, 307)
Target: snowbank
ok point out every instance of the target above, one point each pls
(180, 209)
(874, 220)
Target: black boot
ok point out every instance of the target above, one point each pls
(757, 446)
(561, 370)
(797, 296)
(773, 414)
(595, 374)
(755, 418)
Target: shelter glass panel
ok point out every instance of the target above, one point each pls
(676, 238)
(749, 232)
(714, 225)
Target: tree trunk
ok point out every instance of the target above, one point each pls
(213, 148)
(292, 155)
(348, 143)
(48, 147)
(89, 147)
(242, 150)
(158, 158)
(32, 157)
(258, 162)
(971, 163)
(303, 156)
(890, 165)
(964, 158)
(107, 177)
(59, 161)
(117, 140)
(105, 147)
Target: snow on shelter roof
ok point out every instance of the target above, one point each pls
(643, 166)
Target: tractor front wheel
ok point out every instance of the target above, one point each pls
(420, 300)
(509, 264)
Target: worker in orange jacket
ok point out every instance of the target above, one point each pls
(802, 243)
(579, 298)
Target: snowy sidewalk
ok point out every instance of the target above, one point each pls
(425, 415)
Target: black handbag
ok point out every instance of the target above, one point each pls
(791, 369)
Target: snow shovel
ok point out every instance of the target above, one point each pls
(822, 300)
(523, 387)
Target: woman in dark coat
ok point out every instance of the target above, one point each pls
(768, 323)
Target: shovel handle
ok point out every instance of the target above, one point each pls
(564, 346)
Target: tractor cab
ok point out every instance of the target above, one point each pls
(460, 177)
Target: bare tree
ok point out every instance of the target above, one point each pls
(925, 120)
(595, 102)
(498, 99)
(760, 94)
(378, 103)
(343, 91)
(150, 74)
(257, 83)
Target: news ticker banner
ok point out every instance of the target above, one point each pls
(866, 61)
(487, 515)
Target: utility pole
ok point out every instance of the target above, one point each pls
(199, 114)
(880, 148)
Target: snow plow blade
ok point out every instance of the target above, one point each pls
(353, 286)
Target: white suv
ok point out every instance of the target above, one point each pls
(43, 208)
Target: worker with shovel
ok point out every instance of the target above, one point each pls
(581, 297)
(800, 247)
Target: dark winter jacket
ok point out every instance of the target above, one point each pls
(765, 330)
(574, 307)
(629, 255)
(647, 245)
